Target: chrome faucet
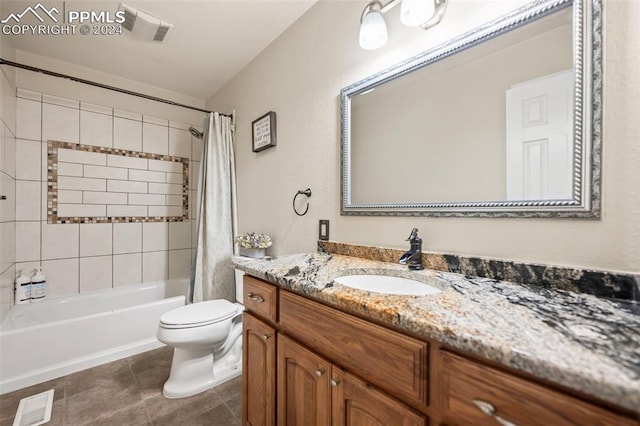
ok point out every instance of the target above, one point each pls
(413, 258)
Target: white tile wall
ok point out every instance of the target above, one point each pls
(127, 114)
(179, 235)
(7, 244)
(127, 238)
(81, 157)
(179, 143)
(179, 263)
(8, 98)
(105, 172)
(147, 199)
(29, 120)
(82, 210)
(165, 166)
(128, 211)
(27, 200)
(165, 188)
(147, 176)
(96, 273)
(112, 181)
(87, 257)
(155, 266)
(56, 100)
(155, 236)
(8, 111)
(70, 169)
(80, 183)
(127, 162)
(127, 269)
(155, 138)
(8, 206)
(196, 149)
(127, 186)
(194, 174)
(6, 290)
(175, 178)
(174, 200)
(127, 134)
(85, 106)
(163, 211)
(62, 276)
(7, 150)
(27, 241)
(96, 129)
(28, 156)
(60, 241)
(67, 197)
(90, 197)
(60, 123)
(96, 239)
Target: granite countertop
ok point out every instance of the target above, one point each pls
(577, 340)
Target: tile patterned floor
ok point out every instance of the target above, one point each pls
(128, 392)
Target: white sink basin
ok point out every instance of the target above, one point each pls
(388, 285)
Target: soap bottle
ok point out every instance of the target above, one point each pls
(22, 289)
(38, 286)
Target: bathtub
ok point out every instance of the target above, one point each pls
(49, 339)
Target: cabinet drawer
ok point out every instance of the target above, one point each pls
(389, 360)
(474, 393)
(261, 298)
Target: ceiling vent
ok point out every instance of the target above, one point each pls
(143, 26)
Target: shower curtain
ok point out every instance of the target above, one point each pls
(212, 276)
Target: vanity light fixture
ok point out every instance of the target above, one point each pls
(413, 13)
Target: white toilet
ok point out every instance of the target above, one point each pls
(207, 341)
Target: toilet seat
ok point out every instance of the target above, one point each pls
(199, 314)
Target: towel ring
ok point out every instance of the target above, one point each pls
(306, 192)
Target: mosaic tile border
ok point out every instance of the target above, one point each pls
(52, 184)
(604, 284)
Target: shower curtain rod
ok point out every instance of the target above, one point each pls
(104, 86)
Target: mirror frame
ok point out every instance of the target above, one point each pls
(587, 132)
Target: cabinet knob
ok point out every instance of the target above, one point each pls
(255, 298)
(319, 372)
(490, 410)
(334, 382)
(266, 336)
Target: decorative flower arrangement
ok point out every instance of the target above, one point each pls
(252, 240)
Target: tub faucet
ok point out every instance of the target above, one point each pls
(413, 258)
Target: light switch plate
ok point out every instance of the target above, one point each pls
(323, 229)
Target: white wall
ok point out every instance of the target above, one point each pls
(300, 75)
(7, 179)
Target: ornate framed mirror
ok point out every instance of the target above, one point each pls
(504, 120)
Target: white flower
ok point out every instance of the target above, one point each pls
(253, 240)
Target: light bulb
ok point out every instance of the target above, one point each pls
(416, 12)
(373, 31)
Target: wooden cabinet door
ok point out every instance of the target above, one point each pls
(259, 372)
(304, 394)
(356, 403)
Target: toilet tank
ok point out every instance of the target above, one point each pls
(238, 275)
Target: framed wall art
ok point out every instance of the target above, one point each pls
(264, 132)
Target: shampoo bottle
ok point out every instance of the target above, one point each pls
(38, 286)
(22, 289)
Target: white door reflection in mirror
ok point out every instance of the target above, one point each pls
(539, 138)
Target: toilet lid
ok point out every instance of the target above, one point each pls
(200, 313)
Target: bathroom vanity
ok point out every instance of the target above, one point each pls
(319, 353)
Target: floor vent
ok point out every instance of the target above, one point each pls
(34, 410)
